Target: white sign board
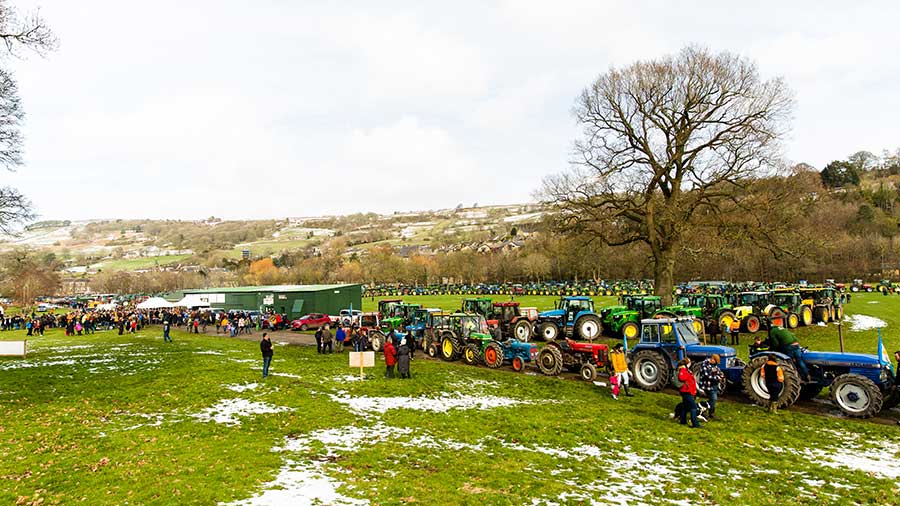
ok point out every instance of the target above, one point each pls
(17, 349)
(362, 359)
(269, 300)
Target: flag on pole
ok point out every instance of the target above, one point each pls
(883, 356)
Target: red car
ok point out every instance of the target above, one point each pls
(311, 321)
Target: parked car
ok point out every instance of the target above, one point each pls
(310, 321)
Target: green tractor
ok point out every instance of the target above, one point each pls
(398, 315)
(749, 309)
(460, 335)
(624, 320)
(713, 308)
(481, 305)
(787, 306)
(824, 303)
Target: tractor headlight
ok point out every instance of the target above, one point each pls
(885, 375)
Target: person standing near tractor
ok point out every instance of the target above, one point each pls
(390, 358)
(687, 385)
(735, 333)
(709, 380)
(773, 376)
(403, 357)
(620, 371)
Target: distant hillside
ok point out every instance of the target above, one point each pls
(91, 246)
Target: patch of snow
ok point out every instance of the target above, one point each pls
(242, 388)
(284, 374)
(209, 352)
(230, 411)
(872, 302)
(879, 460)
(345, 378)
(860, 322)
(301, 483)
(379, 405)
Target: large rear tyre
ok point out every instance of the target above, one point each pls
(755, 385)
(376, 339)
(820, 314)
(726, 318)
(806, 316)
(471, 355)
(588, 372)
(751, 324)
(630, 330)
(777, 317)
(650, 370)
(839, 313)
(549, 331)
(549, 360)
(856, 395)
(450, 349)
(522, 330)
(493, 356)
(793, 320)
(588, 327)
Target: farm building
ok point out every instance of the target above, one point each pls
(292, 300)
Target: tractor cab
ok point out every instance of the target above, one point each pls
(647, 306)
(386, 307)
(468, 324)
(756, 300)
(480, 306)
(786, 300)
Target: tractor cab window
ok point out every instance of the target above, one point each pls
(686, 301)
(667, 335)
(650, 334)
(687, 333)
(650, 306)
(368, 321)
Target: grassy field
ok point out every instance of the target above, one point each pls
(104, 419)
(133, 264)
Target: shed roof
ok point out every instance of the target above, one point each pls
(270, 288)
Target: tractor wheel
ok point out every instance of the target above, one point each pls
(755, 386)
(588, 372)
(810, 391)
(650, 370)
(839, 313)
(549, 331)
(856, 395)
(432, 350)
(751, 324)
(820, 314)
(522, 330)
(450, 350)
(629, 330)
(471, 355)
(726, 318)
(550, 361)
(377, 340)
(793, 320)
(806, 316)
(777, 317)
(695, 370)
(493, 356)
(588, 327)
(518, 364)
(698, 326)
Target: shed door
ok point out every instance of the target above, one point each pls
(297, 308)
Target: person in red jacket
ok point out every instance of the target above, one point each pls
(688, 388)
(390, 358)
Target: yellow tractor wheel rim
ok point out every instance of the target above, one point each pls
(727, 321)
(469, 354)
(447, 347)
(630, 331)
(698, 327)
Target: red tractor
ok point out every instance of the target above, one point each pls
(584, 358)
(514, 321)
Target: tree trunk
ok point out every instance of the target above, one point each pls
(664, 274)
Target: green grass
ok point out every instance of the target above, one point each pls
(72, 430)
(133, 264)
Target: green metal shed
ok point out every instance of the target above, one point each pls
(293, 300)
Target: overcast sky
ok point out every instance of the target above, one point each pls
(261, 109)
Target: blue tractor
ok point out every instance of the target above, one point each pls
(860, 385)
(575, 314)
(496, 353)
(665, 341)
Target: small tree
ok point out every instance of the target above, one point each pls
(662, 140)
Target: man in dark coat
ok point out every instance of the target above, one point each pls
(265, 346)
(403, 359)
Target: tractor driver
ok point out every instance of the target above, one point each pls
(786, 342)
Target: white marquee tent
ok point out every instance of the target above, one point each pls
(193, 300)
(155, 303)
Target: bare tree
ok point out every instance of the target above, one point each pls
(17, 32)
(662, 140)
